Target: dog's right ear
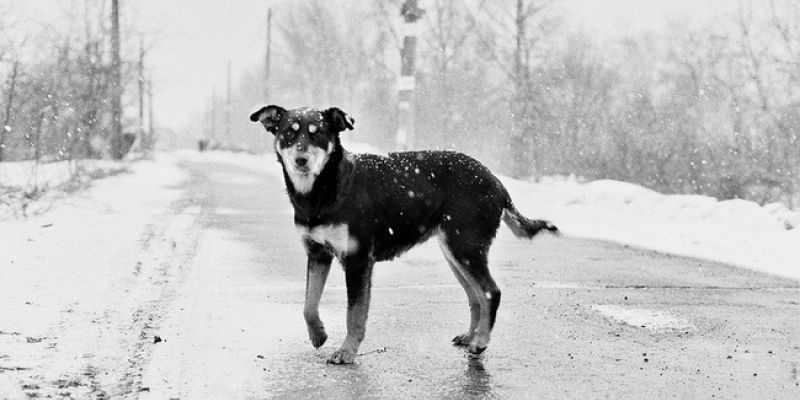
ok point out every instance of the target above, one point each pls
(269, 116)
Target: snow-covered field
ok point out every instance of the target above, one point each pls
(737, 232)
(23, 180)
(65, 268)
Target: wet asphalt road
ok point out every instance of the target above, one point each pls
(237, 328)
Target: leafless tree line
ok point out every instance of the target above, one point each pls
(710, 110)
(58, 89)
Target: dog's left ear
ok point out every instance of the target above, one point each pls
(269, 116)
(338, 119)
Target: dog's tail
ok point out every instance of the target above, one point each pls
(522, 226)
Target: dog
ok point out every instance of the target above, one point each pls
(367, 208)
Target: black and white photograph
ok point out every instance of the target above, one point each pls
(399, 199)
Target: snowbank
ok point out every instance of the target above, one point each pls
(25, 185)
(29, 174)
(736, 232)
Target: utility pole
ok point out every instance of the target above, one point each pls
(151, 136)
(6, 128)
(144, 144)
(228, 107)
(116, 85)
(213, 134)
(405, 130)
(269, 53)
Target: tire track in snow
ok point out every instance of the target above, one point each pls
(115, 343)
(171, 247)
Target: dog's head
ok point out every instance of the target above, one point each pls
(304, 139)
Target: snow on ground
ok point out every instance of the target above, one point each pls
(28, 174)
(61, 273)
(23, 180)
(736, 232)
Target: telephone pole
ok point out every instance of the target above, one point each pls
(116, 85)
(228, 107)
(213, 134)
(151, 136)
(405, 130)
(143, 142)
(269, 53)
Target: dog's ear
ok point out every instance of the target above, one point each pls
(338, 119)
(269, 116)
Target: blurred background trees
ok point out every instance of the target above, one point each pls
(58, 87)
(712, 110)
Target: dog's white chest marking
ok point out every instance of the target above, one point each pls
(337, 237)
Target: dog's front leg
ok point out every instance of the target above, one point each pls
(319, 264)
(358, 276)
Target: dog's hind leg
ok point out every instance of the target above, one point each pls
(358, 277)
(471, 263)
(474, 304)
(319, 264)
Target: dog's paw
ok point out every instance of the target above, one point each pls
(476, 348)
(318, 337)
(462, 340)
(478, 344)
(342, 356)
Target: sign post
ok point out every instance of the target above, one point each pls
(406, 84)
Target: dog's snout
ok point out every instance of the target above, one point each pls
(300, 161)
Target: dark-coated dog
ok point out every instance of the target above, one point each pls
(366, 208)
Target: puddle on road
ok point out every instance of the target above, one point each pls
(657, 321)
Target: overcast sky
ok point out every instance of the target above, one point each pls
(192, 40)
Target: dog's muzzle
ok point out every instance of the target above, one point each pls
(301, 162)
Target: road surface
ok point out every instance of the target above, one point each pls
(222, 317)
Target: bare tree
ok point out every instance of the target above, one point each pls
(524, 24)
(9, 106)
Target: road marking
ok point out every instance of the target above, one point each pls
(657, 321)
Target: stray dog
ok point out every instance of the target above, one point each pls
(366, 208)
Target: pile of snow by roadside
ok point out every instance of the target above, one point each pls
(24, 185)
(28, 174)
(736, 232)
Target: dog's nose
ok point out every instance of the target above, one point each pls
(301, 161)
